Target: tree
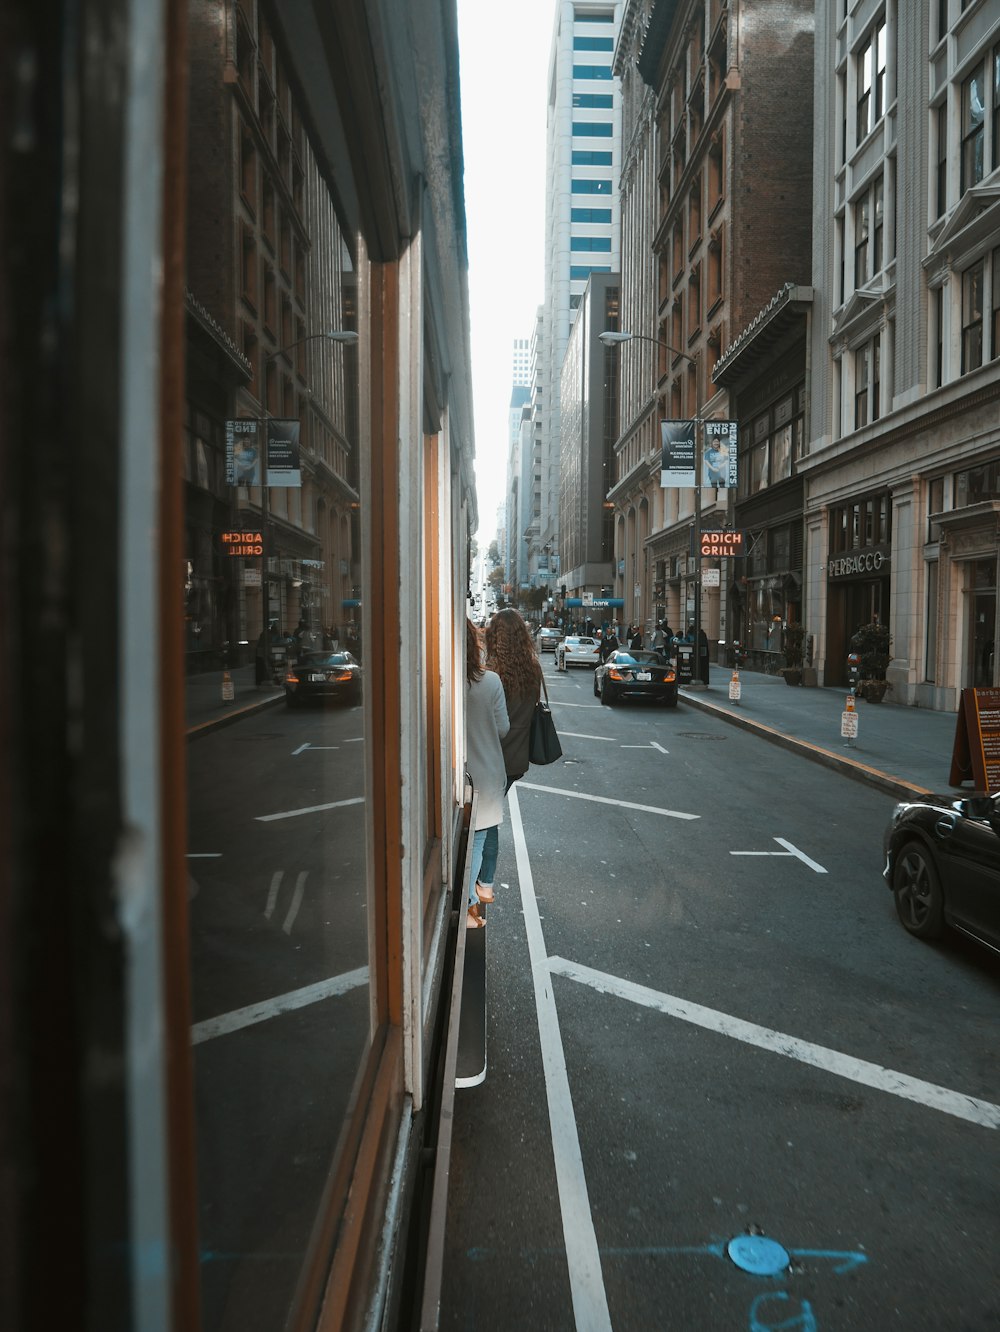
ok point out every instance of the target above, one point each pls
(493, 553)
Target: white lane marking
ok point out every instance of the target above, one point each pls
(204, 855)
(762, 853)
(876, 1076)
(583, 1258)
(578, 735)
(560, 703)
(302, 748)
(635, 746)
(282, 1003)
(309, 809)
(293, 910)
(606, 800)
(657, 745)
(794, 851)
(272, 893)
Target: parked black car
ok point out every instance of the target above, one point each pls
(636, 674)
(318, 676)
(942, 862)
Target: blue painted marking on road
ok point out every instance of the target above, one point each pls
(804, 1319)
(846, 1260)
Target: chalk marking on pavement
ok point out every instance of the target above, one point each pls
(794, 851)
(578, 735)
(282, 1003)
(583, 1258)
(293, 910)
(606, 800)
(272, 893)
(880, 1078)
(309, 809)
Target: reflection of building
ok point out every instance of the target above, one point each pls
(903, 470)
(268, 268)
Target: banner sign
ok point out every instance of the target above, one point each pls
(677, 466)
(245, 456)
(722, 545)
(718, 463)
(976, 752)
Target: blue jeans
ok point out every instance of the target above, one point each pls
(485, 846)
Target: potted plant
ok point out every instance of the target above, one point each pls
(872, 643)
(792, 647)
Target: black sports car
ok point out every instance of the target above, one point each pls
(942, 862)
(317, 676)
(636, 674)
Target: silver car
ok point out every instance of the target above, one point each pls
(548, 639)
(577, 650)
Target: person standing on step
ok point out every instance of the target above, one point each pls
(486, 723)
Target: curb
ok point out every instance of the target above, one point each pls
(860, 772)
(228, 718)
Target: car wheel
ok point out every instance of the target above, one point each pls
(290, 701)
(670, 701)
(917, 890)
(607, 698)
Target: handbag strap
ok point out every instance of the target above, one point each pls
(545, 688)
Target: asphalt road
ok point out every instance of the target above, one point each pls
(279, 953)
(707, 1027)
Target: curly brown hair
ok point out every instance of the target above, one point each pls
(511, 653)
(473, 653)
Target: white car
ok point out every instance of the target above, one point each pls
(577, 650)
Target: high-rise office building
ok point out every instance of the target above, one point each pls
(581, 213)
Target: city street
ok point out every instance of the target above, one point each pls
(705, 1021)
(280, 989)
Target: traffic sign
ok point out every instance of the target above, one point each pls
(849, 725)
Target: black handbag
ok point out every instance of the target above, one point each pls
(543, 742)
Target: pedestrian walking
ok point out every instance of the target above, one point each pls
(509, 652)
(608, 644)
(486, 724)
(635, 639)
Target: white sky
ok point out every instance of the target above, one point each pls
(504, 53)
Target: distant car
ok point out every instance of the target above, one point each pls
(577, 650)
(548, 639)
(320, 676)
(942, 862)
(636, 674)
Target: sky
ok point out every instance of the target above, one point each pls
(503, 54)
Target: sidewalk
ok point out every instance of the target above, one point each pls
(205, 710)
(901, 750)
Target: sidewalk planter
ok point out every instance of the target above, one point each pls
(873, 691)
(791, 675)
(872, 643)
(792, 645)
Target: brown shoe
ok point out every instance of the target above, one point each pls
(484, 891)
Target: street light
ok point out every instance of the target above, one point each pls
(346, 336)
(612, 338)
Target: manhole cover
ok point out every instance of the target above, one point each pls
(758, 1254)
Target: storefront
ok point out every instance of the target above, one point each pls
(857, 574)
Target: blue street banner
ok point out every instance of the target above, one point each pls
(677, 466)
(250, 449)
(283, 466)
(718, 463)
(243, 456)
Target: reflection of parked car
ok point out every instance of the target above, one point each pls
(636, 675)
(323, 675)
(548, 638)
(942, 862)
(577, 650)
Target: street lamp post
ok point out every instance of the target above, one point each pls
(611, 339)
(348, 337)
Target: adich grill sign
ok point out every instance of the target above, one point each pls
(722, 545)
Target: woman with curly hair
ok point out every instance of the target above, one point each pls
(486, 723)
(511, 653)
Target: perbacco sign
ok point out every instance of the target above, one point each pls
(859, 564)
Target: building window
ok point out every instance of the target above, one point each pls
(861, 236)
(267, 211)
(972, 317)
(995, 304)
(978, 485)
(867, 382)
(248, 170)
(694, 301)
(878, 225)
(585, 157)
(677, 249)
(592, 129)
(592, 72)
(590, 243)
(593, 44)
(694, 213)
(591, 187)
(579, 274)
(938, 306)
(593, 101)
(931, 619)
(716, 172)
(973, 128)
(941, 193)
(590, 215)
(248, 266)
(715, 269)
(871, 82)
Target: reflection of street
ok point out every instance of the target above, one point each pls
(280, 998)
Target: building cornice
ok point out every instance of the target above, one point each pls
(742, 354)
(218, 334)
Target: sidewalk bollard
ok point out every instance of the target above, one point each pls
(735, 688)
(228, 690)
(849, 721)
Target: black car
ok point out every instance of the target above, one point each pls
(318, 676)
(942, 862)
(636, 674)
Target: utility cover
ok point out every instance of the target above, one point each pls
(758, 1255)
